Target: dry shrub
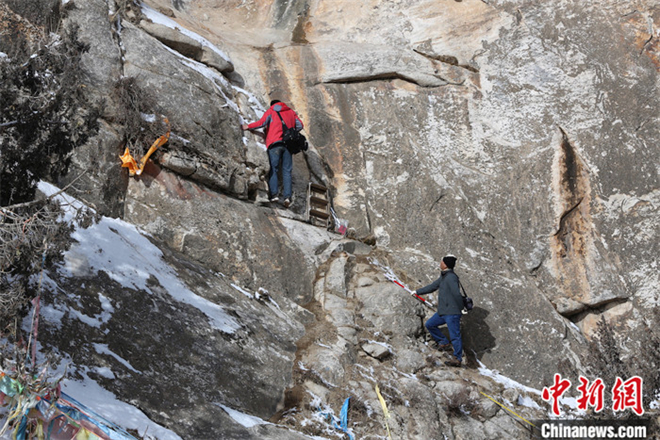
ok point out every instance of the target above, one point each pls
(608, 364)
(45, 114)
(31, 236)
(606, 354)
(138, 115)
(648, 357)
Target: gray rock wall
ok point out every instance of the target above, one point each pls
(495, 131)
(164, 355)
(237, 239)
(532, 128)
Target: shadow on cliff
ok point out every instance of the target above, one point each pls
(150, 173)
(477, 338)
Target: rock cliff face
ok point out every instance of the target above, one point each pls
(521, 138)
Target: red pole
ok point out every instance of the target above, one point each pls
(426, 303)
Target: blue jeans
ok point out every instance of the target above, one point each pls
(278, 156)
(453, 325)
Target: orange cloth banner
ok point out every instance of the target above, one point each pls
(128, 161)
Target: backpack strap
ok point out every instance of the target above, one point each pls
(462, 288)
(284, 127)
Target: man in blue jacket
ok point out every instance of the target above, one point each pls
(450, 306)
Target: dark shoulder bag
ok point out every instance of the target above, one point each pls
(468, 304)
(293, 139)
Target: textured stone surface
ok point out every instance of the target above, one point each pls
(376, 351)
(183, 44)
(199, 113)
(417, 387)
(103, 186)
(239, 240)
(102, 64)
(409, 360)
(388, 309)
(530, 99)
(171, 351)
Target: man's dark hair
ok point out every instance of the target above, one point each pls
(274, 101)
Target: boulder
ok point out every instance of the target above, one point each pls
(376, 351)
(185, 45)
(409, 360)
(389, 309)
(213, 59)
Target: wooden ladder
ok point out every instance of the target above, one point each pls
(318, 204)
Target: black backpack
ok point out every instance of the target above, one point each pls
(293, 139)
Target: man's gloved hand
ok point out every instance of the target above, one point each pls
(413, 292)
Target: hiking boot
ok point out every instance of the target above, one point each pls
(453, 362)
(287, 202)
(273, 199)
(445, 347)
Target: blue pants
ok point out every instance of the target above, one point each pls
(453, 325)
(278, 156)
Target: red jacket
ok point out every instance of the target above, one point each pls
(272, 122)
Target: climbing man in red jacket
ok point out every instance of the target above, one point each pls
(278, 155)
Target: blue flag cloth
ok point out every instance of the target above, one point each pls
(343, 415)
(343, 419)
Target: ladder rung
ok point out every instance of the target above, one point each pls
(317, 213)
(318, 222)
(317, 187)
(318, 200)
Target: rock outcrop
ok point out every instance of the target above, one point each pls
(160, 330)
